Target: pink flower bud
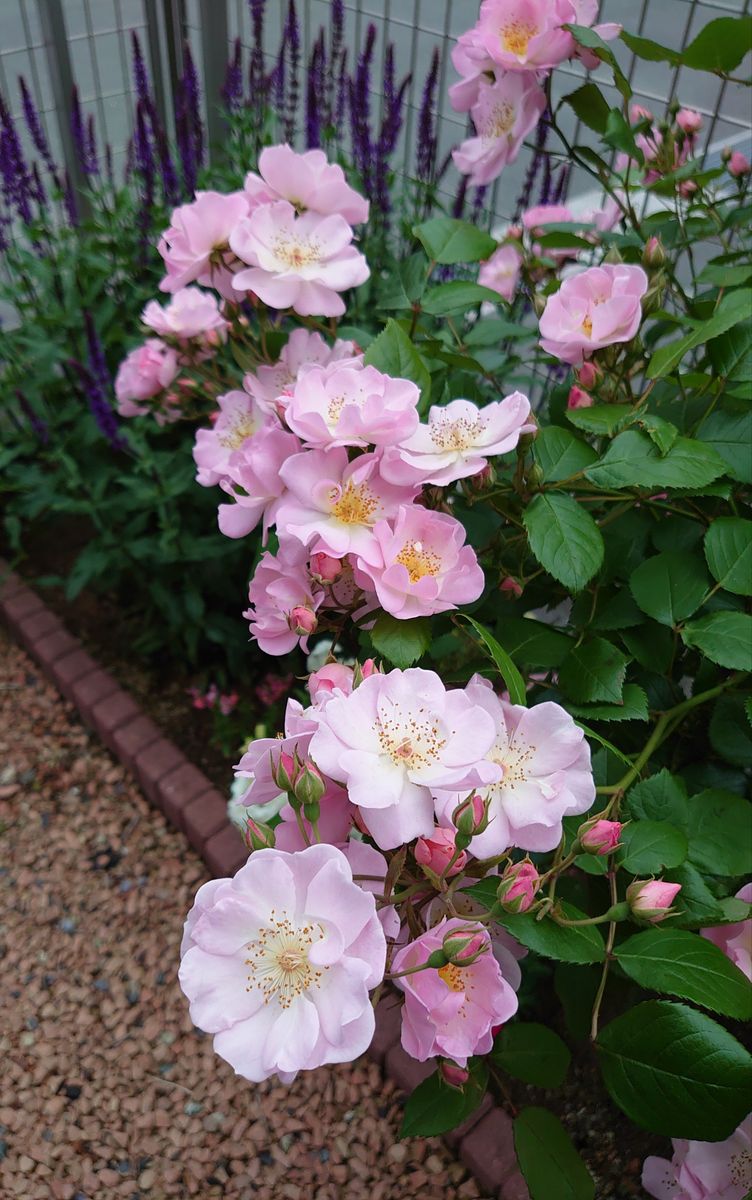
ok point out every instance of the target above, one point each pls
(515, 231)
(689, 121)
(435, 852)
(688, 188)
(653, 255)
(333, 676)
(470, 816)
(577, 398)
(738, 164)
(324, 568)
(588, 375)
(455, 1076)
(518, 887)
(599, 837)
(308, 788)
(638, 113)
(510, 587)
(650, 899)
(369, 668)
(285, 770)
(257, 836)
(462, 947)
(302, 621)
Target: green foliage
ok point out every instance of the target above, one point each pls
(532, 1053)
(686, 965)
(435, 1107)
(548, 1160)
(401, 642)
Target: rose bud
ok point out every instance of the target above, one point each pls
(650, 900)
(308, 788)
(302, 621)
(689, 121)
(518, 887)
(285, 771)
(462, 947)
(367, 669)
(324, 568)
(599, 837)
(578, 399)
(258, 836)
(512, 588)
(653, 255)
(471, 815)
(738, 164)
(588, 374)
(453, 1075)
(436, 851)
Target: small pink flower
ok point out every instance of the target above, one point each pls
(703, 1170)
(308, 181)
(454, 1076)
(328, 680)
(277, 963)
(473, 62)
(272, 385)
(190, 313)
(536, 219)
(578, 399)
(227, 702)
(254, 482)
(689, 121)
(600, 837)
(335, 503)
(459, 439)
(588, 375)
(503, 115)
(437, 850)
(283, 600)
(650, 900)
(198, 236)
(511, 587)
(423, 565)
(238, 419)
(526, 35)
(501, 272)
(597, 307)
(324, 568)
(735, 940)
(395, 739)
(298, 262)
(519, 886)
(739, 164)
(347, 404)
(453, 1010)
(143, 374)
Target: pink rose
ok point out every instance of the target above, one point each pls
(578, 399)
(600, 837)
(436, 852)
(451, 1011)
(735, 940)
(703, 1170)
(334, 678)
(272, 385)
(253, 481)
(193, 247)
(143, 374)
(597, 307)
(689, 121)
(472, 61)
(589, 375)
(307, 181)
(738, 164)
(511, 588)
(237, 420)
(190, 313)
(519, 886)
(545, 775)
(526, 35)
(501, 272)
(650, 900)
(503, 115)
(423, 565)
(298, 262)
(536, 219)
(283, 600)
(347, 404)
(277, 963)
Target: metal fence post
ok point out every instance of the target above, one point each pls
(214, 53)
(57, 57)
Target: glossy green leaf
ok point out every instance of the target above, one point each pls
(730, 731)
(446, 240)
(590, 106)
(632, 460)
(633, 706)
(532, 1053)
(549, 1162)
(434, 1107)
(560, 453)
(662, 797)
(719, 828)
(456, 296)
(728, 551)
(402, 642)
(508, 671)
(684, 964)
(564, 538)
(733, 308)
(670, 586)
(649, 50)
(675, 1071)
(721, 45)
(578, 944)
(649, 846)
(592, 671)
(730, 435)
(533, 642)
(723, 637)
(605, 419)
(393, 353)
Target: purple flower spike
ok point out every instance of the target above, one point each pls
(292, 37)
(34, 126)
(140, 75)
(100, 407)
(232, 88)
(38, 426)
(80, 136)
(15, 178)
(427, 135)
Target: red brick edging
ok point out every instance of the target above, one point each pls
(190, 802)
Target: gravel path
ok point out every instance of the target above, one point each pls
(107, 1090)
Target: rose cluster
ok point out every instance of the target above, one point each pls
(503, 61)
(333, 454)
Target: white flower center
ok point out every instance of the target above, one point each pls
(460, 434)
(241, 426)
(295, 252)
(499, 121)
(412, 740)
(514, 761)
(278, 960)
(354, 504)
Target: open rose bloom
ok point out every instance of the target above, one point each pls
(596, 308)
(703, 1170)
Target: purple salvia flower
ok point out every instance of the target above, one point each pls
(427, 138)
(256, 77)
(34, 126)
(526, 195)
(336, 38)
(315, 92)
(185, 144)
(140, 75)
(95, 351)
(562, 184)
(293, 87)
(389, 133)
(100, 407)
(38, 426)
(478, 201)
(69, 200)
(17, 183)
(342, 91)
(458, 204)
(38, 187)
(193, 104)
(80, 139)
(144, 155)
(91, 145)
(360, 110)
(232, 88)
(108, 164)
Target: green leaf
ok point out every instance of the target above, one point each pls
(578, 944)
(618, 612)
(683, 964)
(533, 642)
(633, 707)
(632, 460)
(670, 586)
(590, 106)
(604, 419)
(729, 730)
(619, 135)
(731, 353)
(652, 646)
(649, 50)
(730, 435)
(548, 1160)
(720, 46)
(561, 454)
(402, 642)
(448, 241)
(508, 671)
(662, 433)
(695, 904)
(594, 670)
(723, 637)
(532, 1053)
(592, 40)
(728, 550)
(564, 538)
(675, 1071)
(456, 297)
(662, 797)
(434, 1107)
(649, 846)
(393, 353)
(718, 828)
(734, 307)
